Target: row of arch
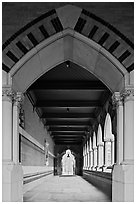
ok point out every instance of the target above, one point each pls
(98, 154)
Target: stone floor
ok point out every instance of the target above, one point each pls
(65, 189)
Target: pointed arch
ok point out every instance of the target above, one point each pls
(64, 39)
(108, 128)
(99, 135)
(94, 139)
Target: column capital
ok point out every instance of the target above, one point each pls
(100, 144)
(7, 94)
(128, 93)
(108, 139)
(117, 99)
(18, 98)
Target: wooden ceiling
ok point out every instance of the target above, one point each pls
(67, 99)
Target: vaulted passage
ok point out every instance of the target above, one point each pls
(68, 103)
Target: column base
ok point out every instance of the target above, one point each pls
(12, 182)
(123, 183)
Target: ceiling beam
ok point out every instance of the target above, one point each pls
(67, 128)
(68, 142)
(65, 104)
(67, 115)
(68, 136)
(68, 85)
(61, 122)
(82, 133)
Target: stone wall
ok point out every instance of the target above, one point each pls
(32, 144)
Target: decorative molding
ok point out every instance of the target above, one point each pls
(18, 97)
(117, 99)
(8, 93)
(128, 92)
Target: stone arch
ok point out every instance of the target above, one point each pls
(68, 163)
(109, 141)
(94, 140)
(66, 40)
(99, 135)
(100, 145)
(108, 128)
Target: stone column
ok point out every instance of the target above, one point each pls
(118, 103)
(94, 152)
(107, 152)
(16, 108)
(123, 172)
(87, 155)
(95, 157)
(100, 155)
(83, 158)
(12, 174)
(7, 98)
(112, 152)
(90, 155)
(128, 96)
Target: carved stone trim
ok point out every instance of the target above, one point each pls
(117, 99)
(128, 92)
(8, 93)
(18, 98)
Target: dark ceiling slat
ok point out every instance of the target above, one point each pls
(64, 104)
(69, 126)
(67, 115)
(68, 85)
(56, 122)
(67, 129)
(68, 141)
(78, 133)
(67, 136)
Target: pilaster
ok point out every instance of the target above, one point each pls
(123, 171)
(12, 174)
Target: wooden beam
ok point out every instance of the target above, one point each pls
(67, 128)
(67, 115)
(65, 104)
(67, 133)
(61, 122)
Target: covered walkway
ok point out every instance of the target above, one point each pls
(63, 189)
(67, 101)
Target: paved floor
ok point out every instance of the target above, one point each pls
(65, 189)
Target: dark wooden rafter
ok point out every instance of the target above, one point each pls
(67, 128)
(62, 122)
(67, 115)
(65, 104)
(68, 133)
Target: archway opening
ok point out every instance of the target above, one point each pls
(68, 163)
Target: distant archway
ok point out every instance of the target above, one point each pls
(68, 163)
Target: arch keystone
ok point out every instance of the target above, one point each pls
(68, 15)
